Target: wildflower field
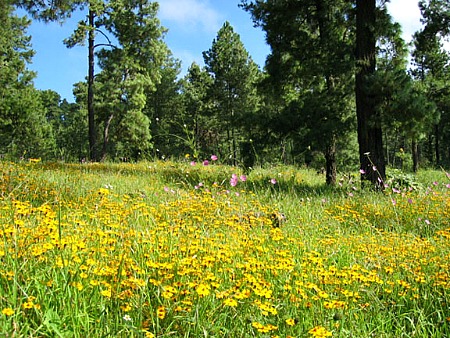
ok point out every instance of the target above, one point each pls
(165, 249)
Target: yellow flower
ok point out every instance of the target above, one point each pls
(8, 311)
(290, 322)
(203, 290)
(320, 332)
(126, 307)
(161, 312)
(106, 293)
(230, 302)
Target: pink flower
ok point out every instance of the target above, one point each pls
(205, 162)
(233, 180)
(374, 168)
(427, 222)
(448, 186)
(394, 202)
(243, 178)
(362, 171)
(214, 157)
(193, 163)
(166, 189)
(273, 181)
(410, 201)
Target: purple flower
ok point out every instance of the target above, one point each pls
(205, 162)
(233, 180)
(214, 157)
(410, 201)
(273, 181)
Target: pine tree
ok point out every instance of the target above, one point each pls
(233, 91)
(24, 129)
(311, 64)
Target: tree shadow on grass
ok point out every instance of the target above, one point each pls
(187, 177)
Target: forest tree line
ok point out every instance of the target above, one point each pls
(337, 90)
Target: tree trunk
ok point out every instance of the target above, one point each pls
(106, 137)
(370, 137)
(90, 98)
(330, 162)
(436, 144)
(415, 155)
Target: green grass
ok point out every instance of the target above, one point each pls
(166, 249)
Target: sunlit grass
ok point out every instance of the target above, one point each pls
(165, 249)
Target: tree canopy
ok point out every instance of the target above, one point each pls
(336, 90)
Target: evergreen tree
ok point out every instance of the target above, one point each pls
(130, 68)
(431, 63)
(165, 110)
(199, 133)
(233, 90)
(24, 129)
(311, 63)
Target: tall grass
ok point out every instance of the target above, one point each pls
(165, 249)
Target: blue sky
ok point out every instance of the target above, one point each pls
(192, 25)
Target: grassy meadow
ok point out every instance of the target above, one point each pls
(165, 249)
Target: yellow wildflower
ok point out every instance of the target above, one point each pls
(8, 311)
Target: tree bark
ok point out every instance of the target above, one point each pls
(370, 136)
(436, 144)
(106, 136)
(330, 162)
(415, 155)
(90, 98)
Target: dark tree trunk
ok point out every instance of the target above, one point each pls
(436, 144)
(430, 149)
(330, 162)
(415, 155)
(370, 137)
(90, 98)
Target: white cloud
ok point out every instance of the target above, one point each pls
(192, 14)
(407, 13)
